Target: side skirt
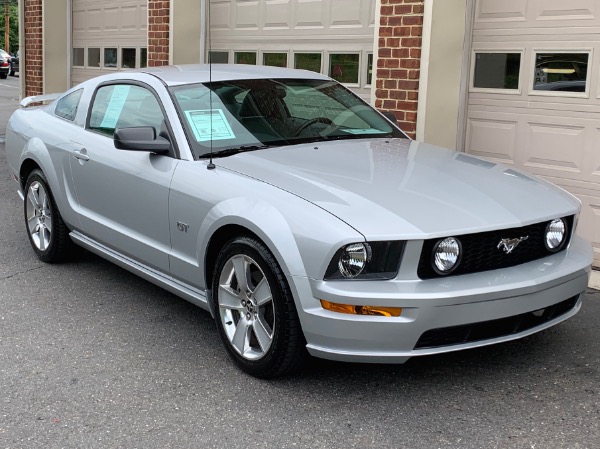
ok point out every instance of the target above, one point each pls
(185, 291)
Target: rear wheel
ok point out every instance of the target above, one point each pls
(255, 311)
(47, 232)
(4, 75)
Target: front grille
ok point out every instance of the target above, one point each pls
(480, 251)
(487, 330)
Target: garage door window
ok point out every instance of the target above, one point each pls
(275, 59)
(308, 61)
(93, 57)
(110, 58)
(218, 57)
(561, 72)
(128, 58)
(143, 57)
(497, 70)
(245, 57)
(344, 68)
(78, 57)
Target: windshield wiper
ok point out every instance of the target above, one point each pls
(234, 150)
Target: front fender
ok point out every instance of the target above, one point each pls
(262, 219)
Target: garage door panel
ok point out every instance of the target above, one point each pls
(493, 139)
(346, 14)
(554, 147)
(589, 221)
(277, 15)
(501, 10)
(566, 10)
(310, 14)
(246, 15)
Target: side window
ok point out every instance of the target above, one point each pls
(67, 106)
(124, 106)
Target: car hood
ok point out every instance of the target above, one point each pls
(386, 188)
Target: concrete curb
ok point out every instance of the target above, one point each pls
(595, 280)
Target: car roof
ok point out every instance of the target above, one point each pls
(201, 73)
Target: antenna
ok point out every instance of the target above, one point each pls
(211, 165)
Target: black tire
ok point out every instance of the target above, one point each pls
(287, 348)
(58, 247)
(3, 75)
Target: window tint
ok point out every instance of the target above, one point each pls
(124, 106)
(308, 61)
(344, 67)
(497, 70)
(561, 72)
(67, 106)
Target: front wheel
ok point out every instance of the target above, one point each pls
(47, 232)
(255, 311)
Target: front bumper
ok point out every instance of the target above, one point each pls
(436, 304)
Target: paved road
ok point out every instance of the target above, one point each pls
(94, 357)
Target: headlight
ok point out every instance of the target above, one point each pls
(373, 260)
(556, 232)
(446, 255)
(354, 259)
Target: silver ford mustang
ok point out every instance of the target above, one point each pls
(298, 216)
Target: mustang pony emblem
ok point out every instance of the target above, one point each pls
(508, 245)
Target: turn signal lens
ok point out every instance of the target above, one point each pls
(362, 310)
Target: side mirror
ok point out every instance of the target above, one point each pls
(140, 138)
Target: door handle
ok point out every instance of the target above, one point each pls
(81, 154)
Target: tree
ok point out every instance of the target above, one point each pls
(13, 26)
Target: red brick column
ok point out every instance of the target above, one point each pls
(34, 73)
(158, 32)
(399, 60)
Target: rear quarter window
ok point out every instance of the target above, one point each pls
(67, 106)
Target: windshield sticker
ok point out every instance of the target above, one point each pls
(364, 131)
(115, 106)
(203, 121)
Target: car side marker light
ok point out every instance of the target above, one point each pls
(362, 310)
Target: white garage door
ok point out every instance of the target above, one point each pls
(534, 99)
(334, 37)
(108, 36)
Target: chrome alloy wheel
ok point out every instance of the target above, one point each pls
(246, 307)
(39, 216)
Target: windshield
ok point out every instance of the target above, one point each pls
(247, 115)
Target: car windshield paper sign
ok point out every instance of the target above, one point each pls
(204, 121)
(115, 106)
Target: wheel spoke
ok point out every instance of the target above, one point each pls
(43, 198)
(32, 197)
(32, 224)
(229, 298)
(48, 222)
(42, 237)
(262, 292)
(240, 267)
(241, 336)
(262, 335)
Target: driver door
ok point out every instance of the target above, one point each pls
(123, 195)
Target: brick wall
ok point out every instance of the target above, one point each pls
(158, 32)
(34, 82)
(399, 60)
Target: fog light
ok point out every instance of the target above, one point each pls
(362, 310)
(555, 234)
(446, 255)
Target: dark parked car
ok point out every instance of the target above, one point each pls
(5, 67)
(14, 64)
